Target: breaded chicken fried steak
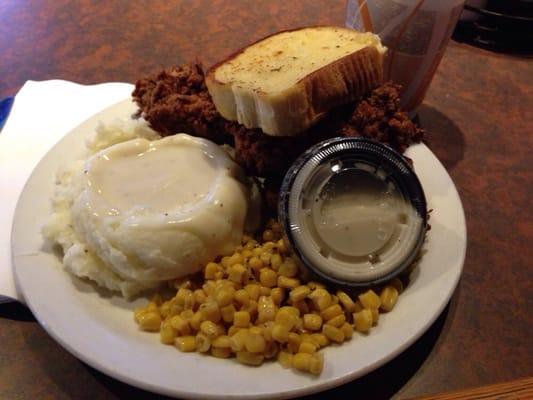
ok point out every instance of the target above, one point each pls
(279, 96)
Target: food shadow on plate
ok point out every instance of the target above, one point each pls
(74, 379)
(380, 384)
(443, 136)
(114, 298)
(454, 241)
(388, 380)
(87, 286)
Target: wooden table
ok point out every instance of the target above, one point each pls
(478, 113)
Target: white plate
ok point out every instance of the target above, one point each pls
(98, 328)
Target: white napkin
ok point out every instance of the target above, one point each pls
(42, 114)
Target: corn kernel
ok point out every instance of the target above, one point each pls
(246, 254)
(164, 309)
(199, 296)
(181, 325)
(264, 291)
(320, 298)
(346, 301)
(362, 320)
(291, 309)
(255, 263)
(334, 334)
(315, 285)
(232, 330)
(266, 315)
(236, 258)
(236, 273)
(149, 321)
(138, 312)
(203, 343)
(299, 326)
(187, 314)
(242, 297)
(301, 306)
(210, 270)
(285, 359)
(167, 334)
(225, 262)
(388, 297)
(265, 258)
(238, 340)
(320, 339)
(268, 277)
(282, 246)
(331, 312)
(241, 319)
(255, 330)
(227, 313)
(208, 287)
(275, 261)
(270, 246)
(370, 299)
(196, 320)
(247, 358)
(209, 329)
(299, 293)
(266, 309)
(251, 308)
(210, 311)
(186, 343)
(225, 296)
(313, 322)
(337, 321)
(220, 352)
(305, 336)
(267, 330)
(255, 343)
(347, 329)
(302, 361)
(268, 235)
(293, 342)
(277, 295)
(286, 318)
(250, 244)
(174, 308)
(253, 290)
(307, 347)
(280, 333)
(317, 364)
(222, 341)
(288, 268)
(288, 283)
(185, 298)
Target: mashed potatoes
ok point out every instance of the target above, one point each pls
(142, 210)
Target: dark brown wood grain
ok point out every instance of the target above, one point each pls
(478, 113)
(519, 389)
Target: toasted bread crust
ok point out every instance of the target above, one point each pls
(294, 109)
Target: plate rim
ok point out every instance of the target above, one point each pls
(313, 387)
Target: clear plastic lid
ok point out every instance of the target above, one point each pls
(353, 211)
